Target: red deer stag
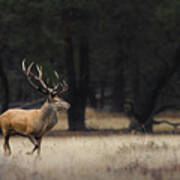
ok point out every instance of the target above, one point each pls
(34, 123)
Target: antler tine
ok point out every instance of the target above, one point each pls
(29, 68)
(64, 86)
(29, 74)
(39, 69)
(56, 86)
(23, 65)
(59, 86)
(56, 74)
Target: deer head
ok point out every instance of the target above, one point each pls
(53, 93)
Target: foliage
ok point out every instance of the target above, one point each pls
(138, 38)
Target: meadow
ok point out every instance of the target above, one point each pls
(107, 154)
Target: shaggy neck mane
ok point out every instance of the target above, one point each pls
(47, 112)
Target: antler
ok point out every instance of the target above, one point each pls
(58, 88)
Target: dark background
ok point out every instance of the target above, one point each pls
(117, 56)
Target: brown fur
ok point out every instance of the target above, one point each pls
(32, 123)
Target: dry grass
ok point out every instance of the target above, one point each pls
(171, 116)
(114, 121)
(114, 157)
(97, 120)
(124, 157)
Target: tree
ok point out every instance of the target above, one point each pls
(163, 81)
(4, 85)
(78, 78)
(120, 48)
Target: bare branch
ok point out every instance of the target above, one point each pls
(175, 125)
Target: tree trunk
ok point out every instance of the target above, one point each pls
(78, 77)
(150, 108)
(118, 84)
(131, 93)
(144, 115)
(78, 91)
(76, 117)
(102, 94)
(5, 87)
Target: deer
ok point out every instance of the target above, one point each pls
(34, 123)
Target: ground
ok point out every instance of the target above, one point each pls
(95, 155)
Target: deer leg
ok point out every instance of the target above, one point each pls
(35, 143)
(31, 152)
(39, 144)
(6, 144)
(32, 139)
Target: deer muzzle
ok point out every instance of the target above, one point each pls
(64, 106)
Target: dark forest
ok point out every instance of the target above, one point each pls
(116, 56)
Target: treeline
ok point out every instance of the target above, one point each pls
(122, 53)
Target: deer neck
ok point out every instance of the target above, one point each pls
(48, 113)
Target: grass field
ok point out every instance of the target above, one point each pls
(96, 156)
(115, 121)
(124, 157)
